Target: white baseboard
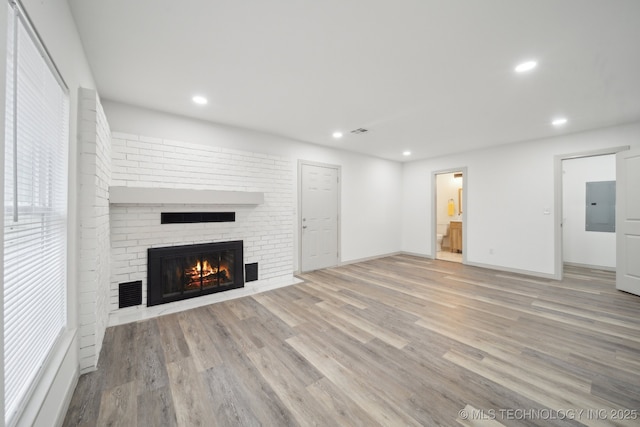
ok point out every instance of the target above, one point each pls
(48, 403)
(494, 267)
(418, 255)
(369, 258)
(513, 270)
(354, 261)
(591, 267)
(64, 406)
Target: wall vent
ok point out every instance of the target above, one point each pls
(359, 130)
(195, 217)
(130, 294)
(251, 272)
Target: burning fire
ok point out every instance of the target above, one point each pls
(207, 270)
(210, 275)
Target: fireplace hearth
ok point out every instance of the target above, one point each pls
(181, 272)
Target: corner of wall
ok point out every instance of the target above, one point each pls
(94, 138)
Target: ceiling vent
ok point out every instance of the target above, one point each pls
(359, 130)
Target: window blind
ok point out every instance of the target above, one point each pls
(35, 198)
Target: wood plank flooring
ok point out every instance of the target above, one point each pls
(399, 341)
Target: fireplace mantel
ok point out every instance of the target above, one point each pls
(182, 196)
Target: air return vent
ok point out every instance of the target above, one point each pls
(359, 130)
(251, 272)
(129, 294)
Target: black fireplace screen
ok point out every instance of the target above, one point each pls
(181, 272)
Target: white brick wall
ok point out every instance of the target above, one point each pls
(94, 268)
(266, 229)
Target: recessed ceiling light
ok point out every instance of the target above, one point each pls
(337, 134)
(406, 153)
(559, 121)
(200, 100)
(525, 66)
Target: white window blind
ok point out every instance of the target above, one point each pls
(35, 198)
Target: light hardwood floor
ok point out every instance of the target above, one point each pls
(449, 256)
(396, 341)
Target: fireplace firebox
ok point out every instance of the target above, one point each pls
(181, 272)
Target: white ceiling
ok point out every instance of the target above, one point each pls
(431, 76)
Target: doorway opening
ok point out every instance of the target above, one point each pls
(448, 216)
(563, 195)
(588, 212)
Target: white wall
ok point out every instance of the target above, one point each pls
(94, 266)
(53, 21)
(590, 248)
(371, 202)
(508, 189)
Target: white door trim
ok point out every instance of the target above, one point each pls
(557, 179)
(434, 213)
(627, 226)
(338, 168)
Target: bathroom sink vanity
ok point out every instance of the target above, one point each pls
(455, 230)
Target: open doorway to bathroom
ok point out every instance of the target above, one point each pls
(449, 209)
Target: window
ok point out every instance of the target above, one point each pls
(35, 198)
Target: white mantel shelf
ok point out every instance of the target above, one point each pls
(181, 196)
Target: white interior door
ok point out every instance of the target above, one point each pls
(628, 221)
(319, 217)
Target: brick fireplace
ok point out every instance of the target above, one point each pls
(152, 177)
